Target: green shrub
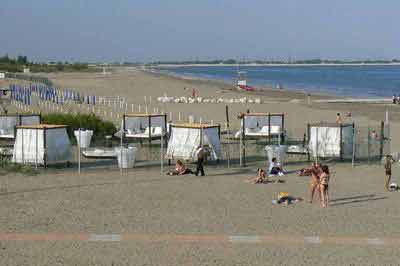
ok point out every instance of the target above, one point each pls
(85, 121)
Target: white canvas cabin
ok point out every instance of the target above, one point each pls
(145, 126)
(186, 138)
(42, 144)
(261, 125)
(10, 121)
(331, 140)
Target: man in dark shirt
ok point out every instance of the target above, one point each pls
(200, 161)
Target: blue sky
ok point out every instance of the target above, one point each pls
(146, 30)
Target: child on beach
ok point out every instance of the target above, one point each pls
(388, 170)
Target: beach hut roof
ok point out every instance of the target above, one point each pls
(264, 114)
(144, 115)
(330, 124)
(195, 125)
(42, 126)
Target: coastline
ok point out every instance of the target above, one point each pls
(263, 89)
(274, 65)
(324, 91)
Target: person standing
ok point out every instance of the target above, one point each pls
(339, 118)
(324, 186)
(200, 161)
(388, 170)
(314, 182)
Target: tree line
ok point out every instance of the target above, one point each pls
(17, 64)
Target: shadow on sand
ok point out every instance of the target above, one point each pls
(355, 199)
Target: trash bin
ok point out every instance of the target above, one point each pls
(276, 151)
(128, 156)
(86, 137)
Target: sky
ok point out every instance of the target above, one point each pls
(149, 30)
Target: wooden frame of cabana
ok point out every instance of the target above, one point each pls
(150, 137)
(331, 125)
(200, 126)
(19, 121)
(269, 136)
(45, 128)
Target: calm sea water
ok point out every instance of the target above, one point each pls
(356, 81)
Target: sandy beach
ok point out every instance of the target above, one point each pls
(135, 84)
(218, 219)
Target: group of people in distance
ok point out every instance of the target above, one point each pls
(320, 177)
(396, 99)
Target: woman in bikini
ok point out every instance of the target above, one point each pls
(324, 186)
(314, 182)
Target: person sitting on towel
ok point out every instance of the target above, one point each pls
(180, 169)
(275, 168)
(260, 178)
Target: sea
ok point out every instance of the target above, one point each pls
(361, 81)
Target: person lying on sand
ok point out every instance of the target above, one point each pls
(262, 179)
(285, 199)
(306, 171)
(180, 169)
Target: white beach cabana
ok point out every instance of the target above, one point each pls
(42, 144)
(145, 126)
(331, 140)
(261, 125)
(8, 123)
(186, 138)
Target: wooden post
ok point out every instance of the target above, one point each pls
(79, 150)
(164, 130)
(283, 128)
(229, 135)
(242, 145)
(269, 128)
(162, 151)
(341, 141)
(353, 158)
(368, 144)
(169, 136)
(382, 139)
(45, 147)
(316, 145)
(150, 129)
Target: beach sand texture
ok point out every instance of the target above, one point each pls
(142, 203)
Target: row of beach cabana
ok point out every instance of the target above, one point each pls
(43, 144)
